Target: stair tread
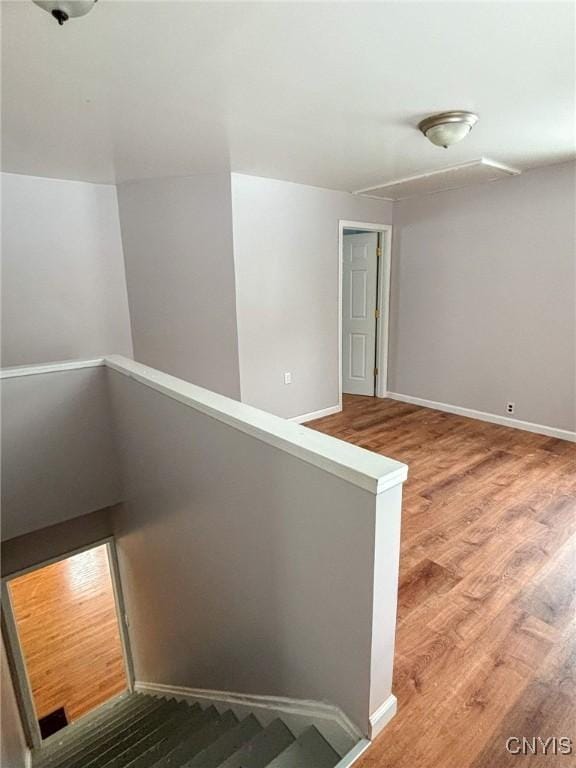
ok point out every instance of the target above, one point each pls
(141, 731)
(141, 749)
(91, 723)
(262, 748)
(96, 754)
(310, 749)
(198, 740)
(106, 730)
(226, 745)
(173, 738)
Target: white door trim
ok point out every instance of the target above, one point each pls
(14, 650)
(383, 322)
(19, 672)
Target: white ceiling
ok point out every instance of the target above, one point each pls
(321, 93)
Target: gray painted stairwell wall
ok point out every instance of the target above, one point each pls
(246, 569)
(59, 457)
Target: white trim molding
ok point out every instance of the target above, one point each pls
(298, 714)
(316, 414)
(492, 418)
(383, 715)
(354, 754)
(35, 370)
(367, 470)
(393, 184)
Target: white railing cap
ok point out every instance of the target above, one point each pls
(368, 470)
(17, 371)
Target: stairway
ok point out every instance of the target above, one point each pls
(139, 731)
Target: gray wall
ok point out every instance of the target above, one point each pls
(63, 282)
(246, 569)
(484, 296)
(13, 746)
(286, 257)
(58, 452)
(177, 237)
(39, 546)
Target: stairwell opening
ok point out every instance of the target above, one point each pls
(67, 639)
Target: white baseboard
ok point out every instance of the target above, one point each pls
(504, 421)
(383, 715)
(298, 714)
(316, 414)
(354, 754)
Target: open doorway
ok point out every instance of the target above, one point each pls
(66, 637)
(364, 308)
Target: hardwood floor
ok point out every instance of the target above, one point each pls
(486, 638)
(66, 618)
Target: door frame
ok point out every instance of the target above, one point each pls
(16, 659)
(382, 301)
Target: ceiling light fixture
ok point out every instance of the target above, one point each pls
(448, 128)
(62, 10)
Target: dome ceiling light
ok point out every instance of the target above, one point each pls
(448, 128)
(62, 10)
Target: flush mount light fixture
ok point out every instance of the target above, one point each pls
(62, 10)
(448, 128)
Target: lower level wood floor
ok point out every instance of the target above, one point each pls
(486, 638)
(68, 629)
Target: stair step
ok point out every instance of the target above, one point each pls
(99, 753)
(106, 730)
(170, 740)
(120, 730)
(263, 748)
(181, 719)
(230, 742)
(199, 740)
(310, 749)
(117, 709)
(140, 731)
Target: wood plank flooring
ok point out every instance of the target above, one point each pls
(486, 636)
(68, 629)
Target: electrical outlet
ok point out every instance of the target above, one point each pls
(510, 407)
(287, 378)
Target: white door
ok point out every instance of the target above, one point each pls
(359, 287)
